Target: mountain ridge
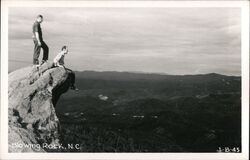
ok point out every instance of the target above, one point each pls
(156, 73)
(114, 75)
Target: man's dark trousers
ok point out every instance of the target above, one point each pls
(37, 49)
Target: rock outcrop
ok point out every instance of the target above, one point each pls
(33, 93)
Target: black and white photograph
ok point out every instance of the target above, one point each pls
(134, 78)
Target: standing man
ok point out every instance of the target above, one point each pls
(38, 41)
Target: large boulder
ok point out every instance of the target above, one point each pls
(33, 93)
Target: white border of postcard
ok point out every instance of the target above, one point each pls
(244, 5)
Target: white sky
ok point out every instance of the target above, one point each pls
(166, 40)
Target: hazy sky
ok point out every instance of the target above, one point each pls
(168, 40)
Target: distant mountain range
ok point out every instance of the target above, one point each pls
(114, 75)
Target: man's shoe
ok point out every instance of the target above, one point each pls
(43, 61)
(36, 62)
(37, 66)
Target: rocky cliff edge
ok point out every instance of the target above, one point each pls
(32, 95)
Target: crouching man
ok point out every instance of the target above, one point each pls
(59, 62)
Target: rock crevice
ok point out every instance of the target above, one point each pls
(33, 93)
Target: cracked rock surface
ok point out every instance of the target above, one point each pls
(32, 95)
